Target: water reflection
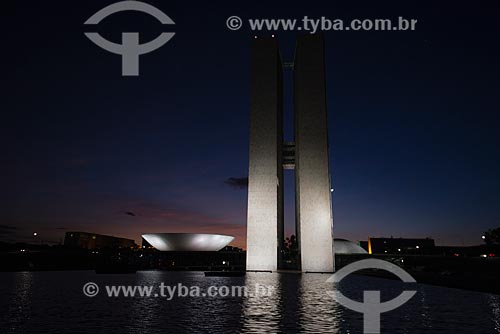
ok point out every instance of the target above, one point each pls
(319, 313)
(21, 295)
(494, 302)
(262, 313)
(145, 312)
(425, 309)
(53, 302)
(300, 304)
(220, 313)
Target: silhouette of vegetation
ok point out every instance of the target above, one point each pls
(291, 253)
(492, 236)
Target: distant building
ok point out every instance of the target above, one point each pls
(232, 249)
(469, 251)
(343, 246)
(94, 241)
(229, 257)
(400, 246)
(145, 243)
(186, 242)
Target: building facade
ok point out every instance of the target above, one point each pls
(307, 155)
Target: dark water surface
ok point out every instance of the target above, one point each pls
(53, 302)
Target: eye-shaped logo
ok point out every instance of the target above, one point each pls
(371, 307)
(130, 49)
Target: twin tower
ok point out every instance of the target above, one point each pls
(307, 155)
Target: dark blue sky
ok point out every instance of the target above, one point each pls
(413, 119)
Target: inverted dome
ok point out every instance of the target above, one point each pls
(195, 242)
(342, 246)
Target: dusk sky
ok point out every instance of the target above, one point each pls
(413, 120)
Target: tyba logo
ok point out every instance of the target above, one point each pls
(130, 49)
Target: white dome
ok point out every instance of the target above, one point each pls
(196, 242)
(342, 246)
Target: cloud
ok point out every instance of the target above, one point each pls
(104, 213)
(237, 182)
(7, 229)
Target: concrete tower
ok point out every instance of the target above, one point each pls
(308, 155)
(265, 178)
(313, 204)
